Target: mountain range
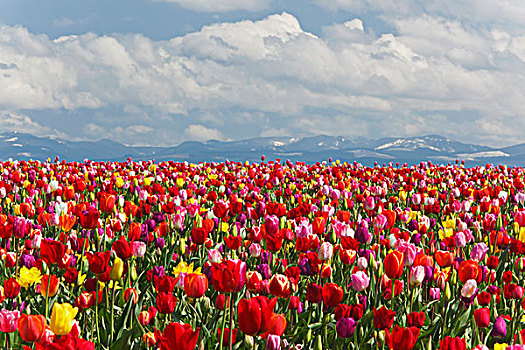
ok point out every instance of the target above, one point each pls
(411, 150)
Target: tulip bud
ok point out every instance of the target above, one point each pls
(182, 246)
(498, 223)
(373, 262)
(319, 343)
(248, 341)
(133, 273)
(448, 293)
(117, 270)
(205, 304)
(453, 277)
(309, 335)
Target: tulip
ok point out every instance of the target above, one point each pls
(469, 289)
(416, 319)
(332, 294)
(117, 270)
(393, 264)
(279, 286)
(31, 327)
(62, 318)
(383, 318)
(468, 269)
(499, 329)
(254, 314)
(449, 343)
(9, 320)
(11, 288)
(179, 336)
(195, 285)
(273, 342)
(479, 251)
(417, 275)
(360, 281)
(49, 283)
(345, 327)
(482, 317)
(139, 249)
(325, 252)
(166, 303)
(401, 338)
(228, 276)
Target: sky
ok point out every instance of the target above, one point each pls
(161, 72)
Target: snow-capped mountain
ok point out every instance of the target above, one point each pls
(411, 150)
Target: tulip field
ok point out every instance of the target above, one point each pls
(269, 255)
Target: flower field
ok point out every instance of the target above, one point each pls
(270, 255)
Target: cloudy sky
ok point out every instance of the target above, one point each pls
(159, 72)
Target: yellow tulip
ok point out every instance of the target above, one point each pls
(117, 270)
(62, 318)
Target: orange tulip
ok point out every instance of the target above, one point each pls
(444, 259)
(53, 285)
(31, 327)
(67, 222)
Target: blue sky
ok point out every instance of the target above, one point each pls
(147, 72)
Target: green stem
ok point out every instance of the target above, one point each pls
(112, 312)
(223, 325)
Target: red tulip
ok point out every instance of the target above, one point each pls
(468, 270)
(332, 294)
(166, 303)
(11, 288)
(276, 325)
(228, 276)
(98, 262)
(482, 317)
(89, 219)
(31, 327)
(401, 338)
(314, 292)
(450, 343)
(179, 336)
(199, 235)
(195, 285)
(255, 314)
(393, 264)
(107, 202)
(416, 319)
(279, 286)
(51, 251)
(383, 318)
(122, 248)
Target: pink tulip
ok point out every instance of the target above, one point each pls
(8, 320)
(360, 281)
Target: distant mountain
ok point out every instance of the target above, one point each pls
(412, 150)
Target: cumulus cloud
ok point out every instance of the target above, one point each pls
(199, 132)
(252, 78)
(222, 5)
(505, 13)
(12, 121)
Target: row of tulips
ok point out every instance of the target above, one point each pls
(280, 255)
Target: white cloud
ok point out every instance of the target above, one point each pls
(12, 121)
(232, 80)
(507, 14)
(201, 133)
(222, 5)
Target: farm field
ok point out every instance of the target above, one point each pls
(268, 255)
